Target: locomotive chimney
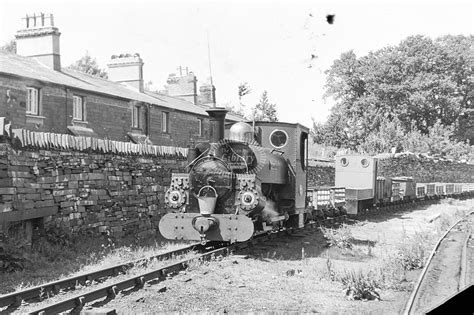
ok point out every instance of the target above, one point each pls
(217, 121)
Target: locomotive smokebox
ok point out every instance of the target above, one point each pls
(217, 123)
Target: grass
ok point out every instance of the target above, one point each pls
(384, 270)
(56, 255)
(360, 285)
(413, 251)
(340, 237)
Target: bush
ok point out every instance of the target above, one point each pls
(413, 252)
(340, 237)
(361, 286)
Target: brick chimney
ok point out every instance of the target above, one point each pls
(40, 40)
(127, 68)
(183, 85)
(207, 94)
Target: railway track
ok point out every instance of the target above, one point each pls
(52, 288)
(77, 302)
(447, 270)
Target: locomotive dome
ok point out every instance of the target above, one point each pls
(241, 132)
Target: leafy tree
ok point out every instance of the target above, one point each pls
(236, 109)
(437, 142)
(9, 47)
(150, 86)
(244, 89)
(89, 65)
(419, 82)
(391, 136)
(388, 138)
(264, 110)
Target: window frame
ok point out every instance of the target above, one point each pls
(200, 127)
(136, 121)
(286, 138)
(75, 117)
(37, 98)
(165, 122)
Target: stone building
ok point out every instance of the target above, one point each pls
(36, 93)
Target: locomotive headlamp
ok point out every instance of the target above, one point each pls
(175, 198)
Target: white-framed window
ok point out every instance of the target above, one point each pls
(136, 117)
(78, 108)
(33, 101)
(200, 127)
(165, 121)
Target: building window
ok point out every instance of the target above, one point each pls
(165, 122)
(200, 127)
(33, 101)
(136, 117)
(78, 108)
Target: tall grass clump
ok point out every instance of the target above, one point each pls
(413, 251)
(360, 285)
(339, 237)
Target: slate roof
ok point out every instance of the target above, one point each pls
(33, 69)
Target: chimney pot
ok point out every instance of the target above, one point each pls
(128, 69)
(40, 40)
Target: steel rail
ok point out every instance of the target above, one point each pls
(110, 291)
(413, 295)
(463, 273)
(51, 288)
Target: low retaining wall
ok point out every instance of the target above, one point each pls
(423, 169)
(112, 187)
(321, 175)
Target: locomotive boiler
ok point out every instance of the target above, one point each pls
(252, 180)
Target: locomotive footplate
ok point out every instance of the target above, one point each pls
(221, 227)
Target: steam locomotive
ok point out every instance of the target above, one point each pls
(252, 180)
(255, 179)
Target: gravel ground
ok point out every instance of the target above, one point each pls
(292, 275)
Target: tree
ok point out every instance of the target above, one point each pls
(264, 110)
(9, 47)
(244, 89)
(235, 109)
(419, 82)
(88, 65)
(150, 86)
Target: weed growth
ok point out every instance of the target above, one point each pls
(360, 285)
(340, 237)
(413, 251)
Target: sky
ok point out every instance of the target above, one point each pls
(268, 44)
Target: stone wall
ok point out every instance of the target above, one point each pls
(321, 175)
(425, 169)
(85, 190)
(422, 169)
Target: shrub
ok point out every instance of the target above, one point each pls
(413, 251)
(340, 237)
(12, 256)
(361, 285)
